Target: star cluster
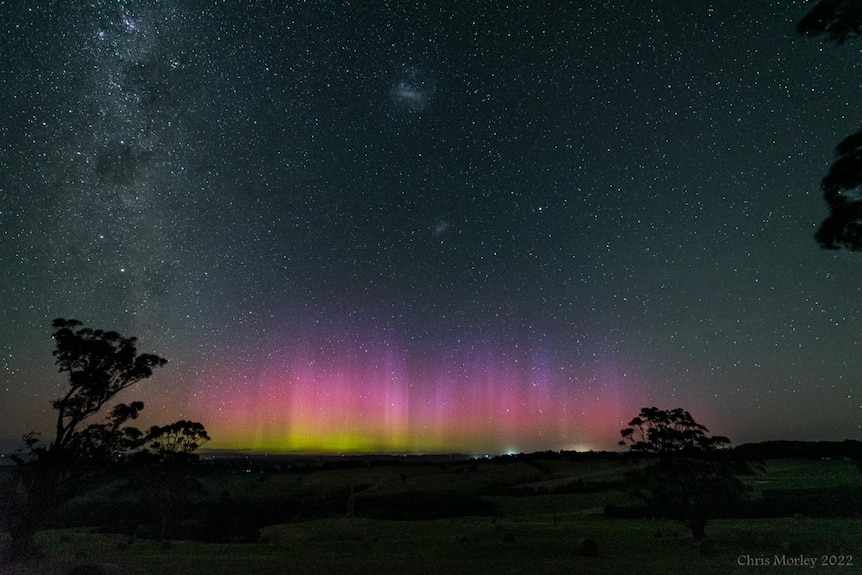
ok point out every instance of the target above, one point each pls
(448, 226)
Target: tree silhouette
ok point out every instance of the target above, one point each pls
(843, 227)
(840, 20)
(165, 483)
(666, 432)
(683, 475)
(176, 441)
(111, 441)
(98, 365)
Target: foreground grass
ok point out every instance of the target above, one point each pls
(527, 534)
(467, 546)
(784, 474)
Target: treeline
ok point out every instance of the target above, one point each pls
(778, 449)
(847, 449)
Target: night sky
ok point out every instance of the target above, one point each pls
(481, 227)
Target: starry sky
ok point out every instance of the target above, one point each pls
(407, 226)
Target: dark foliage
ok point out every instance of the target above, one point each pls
(168, 491)
(667, 432)
(98, 365)
(176, 442)
(682, 473)
(688, 490)
(837, 19)
(830, 503)
(115, 515)
(849, 449)
(843, 227)
(840, 20)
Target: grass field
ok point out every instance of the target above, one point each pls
(522, 534)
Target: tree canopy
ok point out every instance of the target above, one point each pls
(667, 432)
(176, 441)
(98, 365)
(837, 19)
(840, 20)
(686, 478)
(843, 227)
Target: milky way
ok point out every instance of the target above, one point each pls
(463, 227)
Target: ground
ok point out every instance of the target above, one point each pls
(523, 534)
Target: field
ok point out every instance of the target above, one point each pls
(511, 515)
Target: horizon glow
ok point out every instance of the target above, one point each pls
(381, 399)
